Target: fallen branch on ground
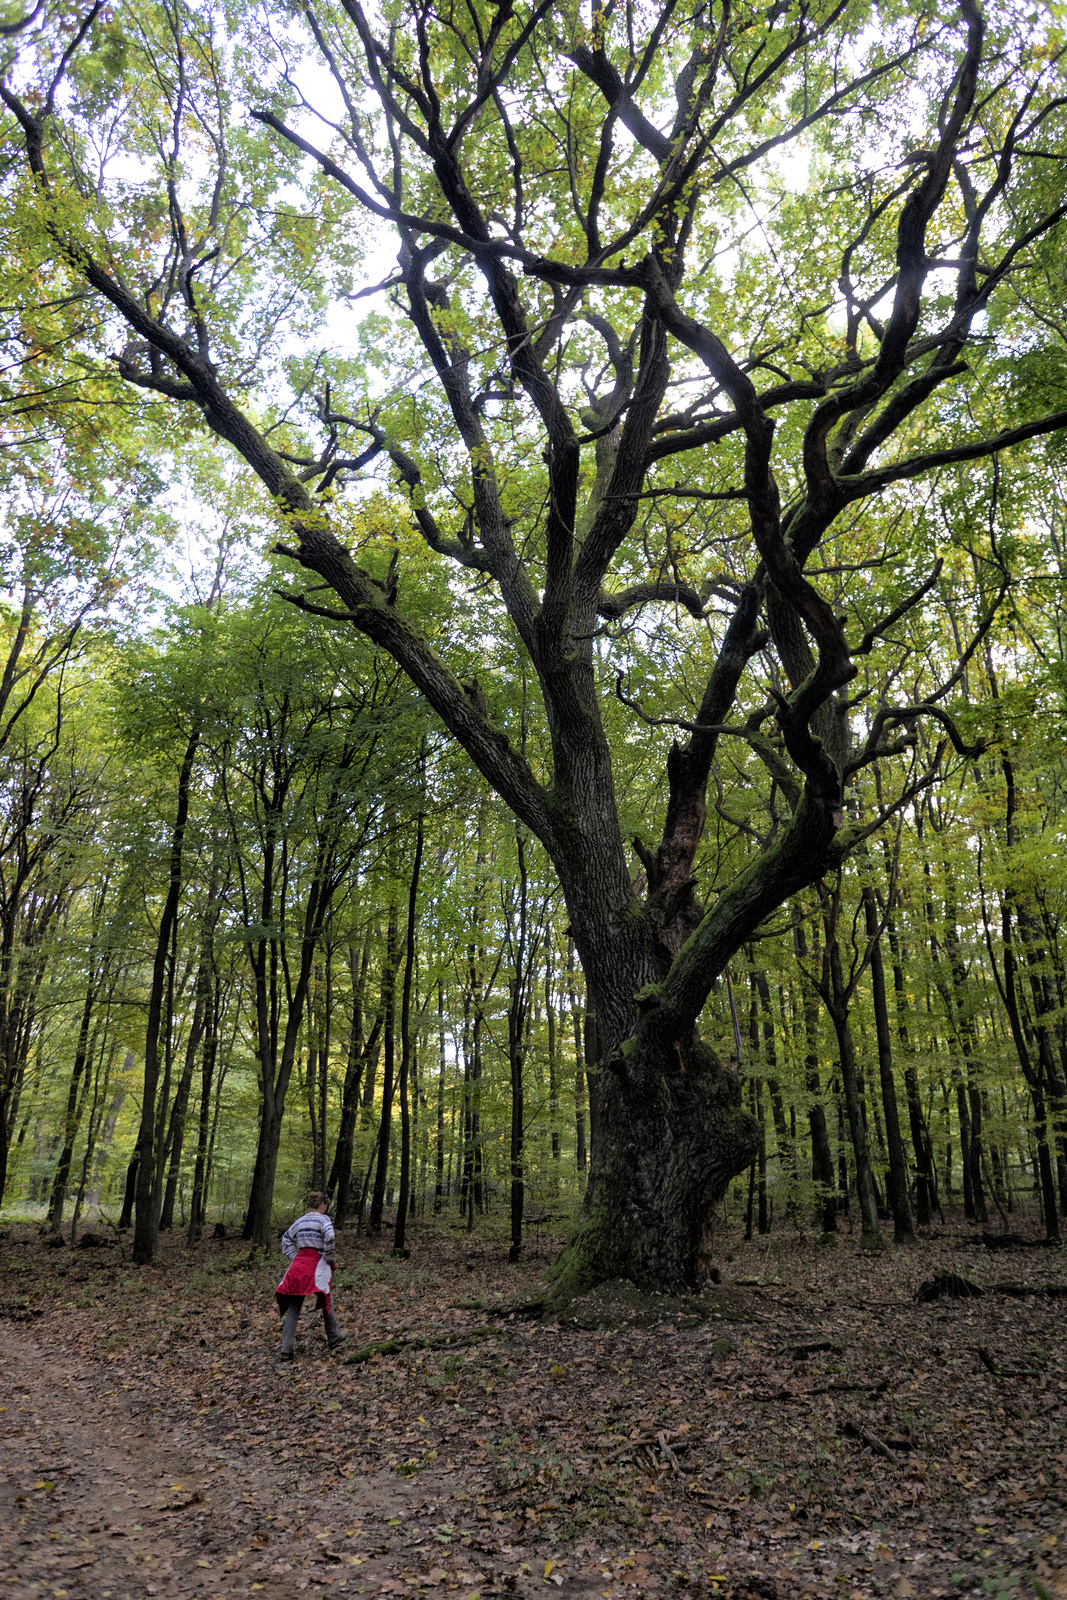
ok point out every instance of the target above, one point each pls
(671, 1447)
(1001, 1372)
(852, 1430)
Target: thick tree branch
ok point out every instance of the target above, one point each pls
(483, 248)
(889, 717)
(871, 482)
(900, 406)
(613, 606)
(912, 268)
(430, 311)
(801, 853)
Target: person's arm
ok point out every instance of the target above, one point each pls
(288, 1247)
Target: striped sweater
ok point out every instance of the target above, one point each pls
(312, 1231)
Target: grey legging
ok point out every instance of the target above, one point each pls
(292, 1317)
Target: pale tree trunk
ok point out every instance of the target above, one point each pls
(385, 1126)
(147, 1190)
(208, 1059)
(442, 1063)
(204, 1032)
(838, 1007)
(180, 1109)
(580, 1152)
(969, 1100)
(80, 1078)
(319, 1028)
(897, 1180)
(785, 1144)
(925, 1170)
(359, 1068)
(103, 1142)
(203, 987)
(553, 1067)
(403, 1198)
(518, 1002)
(822, 1159)
(96, 1112)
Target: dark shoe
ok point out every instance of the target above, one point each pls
(286, 1355)
(340, 1339)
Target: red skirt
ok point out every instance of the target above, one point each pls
(309, 1273)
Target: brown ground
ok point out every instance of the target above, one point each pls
(151, 1443)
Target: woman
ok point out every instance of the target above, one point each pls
(309, 1245)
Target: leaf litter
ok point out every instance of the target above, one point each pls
(806, 1428)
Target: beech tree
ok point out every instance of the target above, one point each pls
(684, 293)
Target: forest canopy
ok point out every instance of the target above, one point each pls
(623, 446)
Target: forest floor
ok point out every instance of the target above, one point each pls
(819, 1433)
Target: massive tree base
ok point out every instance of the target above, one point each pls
(671, 1135)
(616, 1304)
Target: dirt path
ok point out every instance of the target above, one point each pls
(824, 1435)
(102, 1498)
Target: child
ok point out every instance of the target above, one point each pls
(309, 1245)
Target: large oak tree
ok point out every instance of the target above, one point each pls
(683, 292)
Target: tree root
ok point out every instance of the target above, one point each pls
(948, 1284)
(437, 1341)
(529, 1310)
